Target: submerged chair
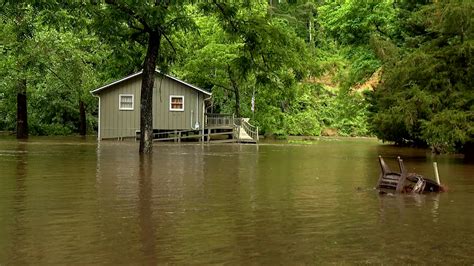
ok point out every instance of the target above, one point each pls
(404, 182)
(389, 179)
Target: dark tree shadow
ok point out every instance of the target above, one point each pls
(145, 209)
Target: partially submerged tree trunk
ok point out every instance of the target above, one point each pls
(146, 99)
(21, 111)
(82, 119)
(237, 101)
(235, 89)
(468, 151)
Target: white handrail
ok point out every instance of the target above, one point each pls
(250, 129)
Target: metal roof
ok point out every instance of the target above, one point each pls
(139, 73)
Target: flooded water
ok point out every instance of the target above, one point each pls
(73, 201)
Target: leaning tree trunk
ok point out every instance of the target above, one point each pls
(146, 99)
(21, 111)
(82, 119)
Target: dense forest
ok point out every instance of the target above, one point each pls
(398, 70)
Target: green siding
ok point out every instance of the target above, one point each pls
(115, 123)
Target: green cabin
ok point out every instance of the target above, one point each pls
(177, 106)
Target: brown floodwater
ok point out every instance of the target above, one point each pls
(76, 201)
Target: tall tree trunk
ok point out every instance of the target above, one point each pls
(21, 111)
(82, 119)
(237, 101)
(236, 91)
(146, 100)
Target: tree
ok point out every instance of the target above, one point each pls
(18, 21)
(353, 22)
(146, 22)
(300, 15)
(255, 51)
(425, 97)
(61, 99)
(346, 30)
(48, 55)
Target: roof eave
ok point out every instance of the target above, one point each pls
(96, 91)
(116, 82)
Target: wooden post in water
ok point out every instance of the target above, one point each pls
(239, 128)
(435, 167)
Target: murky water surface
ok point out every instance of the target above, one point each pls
(73, 201)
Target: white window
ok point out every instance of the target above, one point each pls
(126, 101)
(176, 103)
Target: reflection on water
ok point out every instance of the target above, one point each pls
(73, 201)
(20, 194)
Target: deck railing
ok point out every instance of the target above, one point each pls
(250, 129)
(219, 120)
(230, 121)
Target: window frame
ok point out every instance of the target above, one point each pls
(126, 108)
(171, 103)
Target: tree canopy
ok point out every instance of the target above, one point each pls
(426, 96)
(399, 70)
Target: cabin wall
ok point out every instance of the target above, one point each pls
(115, 123)
(165, 119)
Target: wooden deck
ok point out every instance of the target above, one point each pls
(219, 128)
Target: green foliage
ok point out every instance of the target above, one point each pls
(242, 50)
(311, 110)
(347, 29)
(346, 112)
(363, 63)
(353, 22)
(56, 60)
(303, 61)
(426, 95)
(300, 15)
(448, 128)
(244, 53)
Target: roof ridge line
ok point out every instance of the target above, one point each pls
(156, 71)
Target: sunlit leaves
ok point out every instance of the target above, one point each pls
(352, 22)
